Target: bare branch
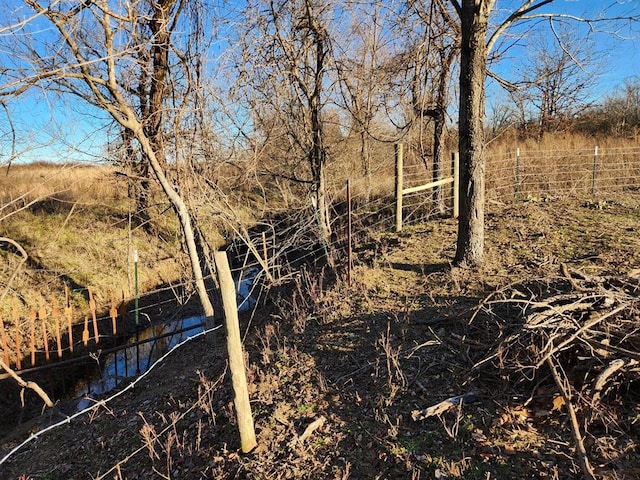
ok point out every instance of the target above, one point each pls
(24, 255)
(456, 6)
(583, 459)
(524, 9)
(24, 384)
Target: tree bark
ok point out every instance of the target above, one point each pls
(318, 154)
(186, 223)
(474, 16)
(439, 126)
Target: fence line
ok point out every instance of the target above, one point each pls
(510, 177)
(521, 174)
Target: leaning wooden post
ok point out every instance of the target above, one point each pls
(399, 161)
(595, 169)
(236, 357)
(455, 159)
(349, 239)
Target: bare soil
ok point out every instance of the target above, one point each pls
(356, 361)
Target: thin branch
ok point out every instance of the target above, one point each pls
(13, 137)
(515, 16)
(22, 252)
(456, 7)
(583, 459)
(565, 49)
(31, 385)
(507, 85)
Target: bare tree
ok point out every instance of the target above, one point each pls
(618, 114)
(476, 43)
(430, 58)
(92, 50)
(362, 76)
(557, 76)
(286, 56)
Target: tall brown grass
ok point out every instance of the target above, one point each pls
(23, 185)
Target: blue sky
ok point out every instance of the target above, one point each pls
(616, 46)
(76, 131)
(619, 43)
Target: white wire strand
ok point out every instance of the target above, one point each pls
(103, 402)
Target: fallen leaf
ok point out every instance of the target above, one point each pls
(558, 403)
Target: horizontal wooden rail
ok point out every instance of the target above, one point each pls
(401, 191)
(427, 186)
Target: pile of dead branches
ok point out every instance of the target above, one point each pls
(589, 324)
(581, 331)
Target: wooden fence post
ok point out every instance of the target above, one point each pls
(94, 316)
(55, 312)
(595, 169)
(5, 345)
(518, 179)
(18, 333)
(236, 357)
(42, 314)
(399, 168)
(32, 324)
(85, 331)
(455, 158)
(113, 313)
(68, 313)
(349, 240)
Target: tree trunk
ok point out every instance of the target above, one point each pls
(318, 154)
(473, 64)
(439, 127)
(184, 217)
(438, 160)
(365, 159)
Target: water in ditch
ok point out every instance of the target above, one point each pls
(150, 344)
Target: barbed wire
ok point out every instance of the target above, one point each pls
(104, 402)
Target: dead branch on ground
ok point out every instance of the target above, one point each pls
(24, 384)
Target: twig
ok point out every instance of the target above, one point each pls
(572, 281)
(583, 459)
(577, 333)
(24, 255)
(608, 373)
(443, 406)
(32, 385)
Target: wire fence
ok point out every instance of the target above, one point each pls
(271, 254)
(520, 174)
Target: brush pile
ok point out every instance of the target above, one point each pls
(588, 325)
(581, 334)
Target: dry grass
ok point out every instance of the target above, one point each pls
(66, 184)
